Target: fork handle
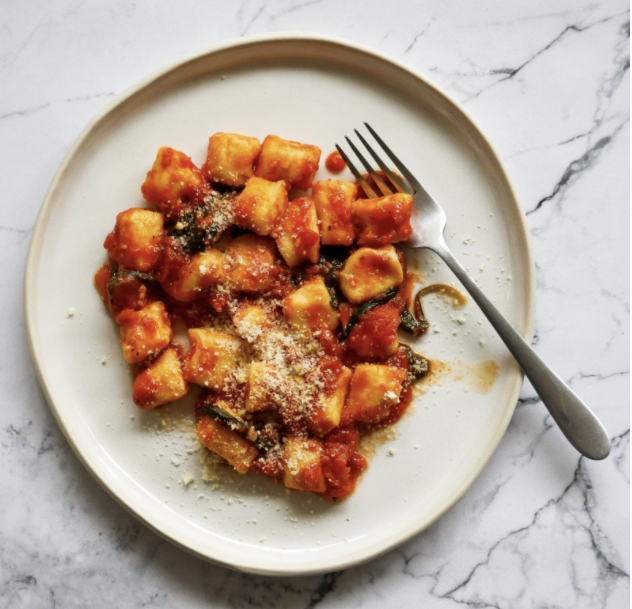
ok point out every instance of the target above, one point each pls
(578, 423)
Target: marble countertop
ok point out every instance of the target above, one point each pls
(549, 84)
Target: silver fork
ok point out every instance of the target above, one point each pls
(578, 423)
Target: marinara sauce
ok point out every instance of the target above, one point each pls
(335, 163)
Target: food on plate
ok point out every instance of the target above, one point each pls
(292, 302)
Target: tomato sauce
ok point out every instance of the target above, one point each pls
(335, 163)
(195, 314)
(341, 464)
(330, 369)
(268, 466)
(375, 335)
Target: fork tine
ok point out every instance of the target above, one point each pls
(386, 191)
(365, 185)
(397, 182)
(409, 176)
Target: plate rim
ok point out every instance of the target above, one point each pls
(37, 238)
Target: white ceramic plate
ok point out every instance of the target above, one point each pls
(311, 89)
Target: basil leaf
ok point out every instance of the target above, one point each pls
(222, 416)
(193, 239)
(119, 276)
(412, 325)
(332, 282)
(419, 366)
(227, 419)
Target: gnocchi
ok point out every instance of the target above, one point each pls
(384, 220)
(161, 382)
(373, 390)
(334, 204)
(251, 262)
(309, 308)
(296, 235)
(144, 332)
(286, 160)
(174, 184)
(213, 357)
(369, 272)
(136, 241)
(260, 205)
(231, 158)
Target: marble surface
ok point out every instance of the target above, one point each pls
(549, 84)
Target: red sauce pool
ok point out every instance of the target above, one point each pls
(341, 464)
(335, 162)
